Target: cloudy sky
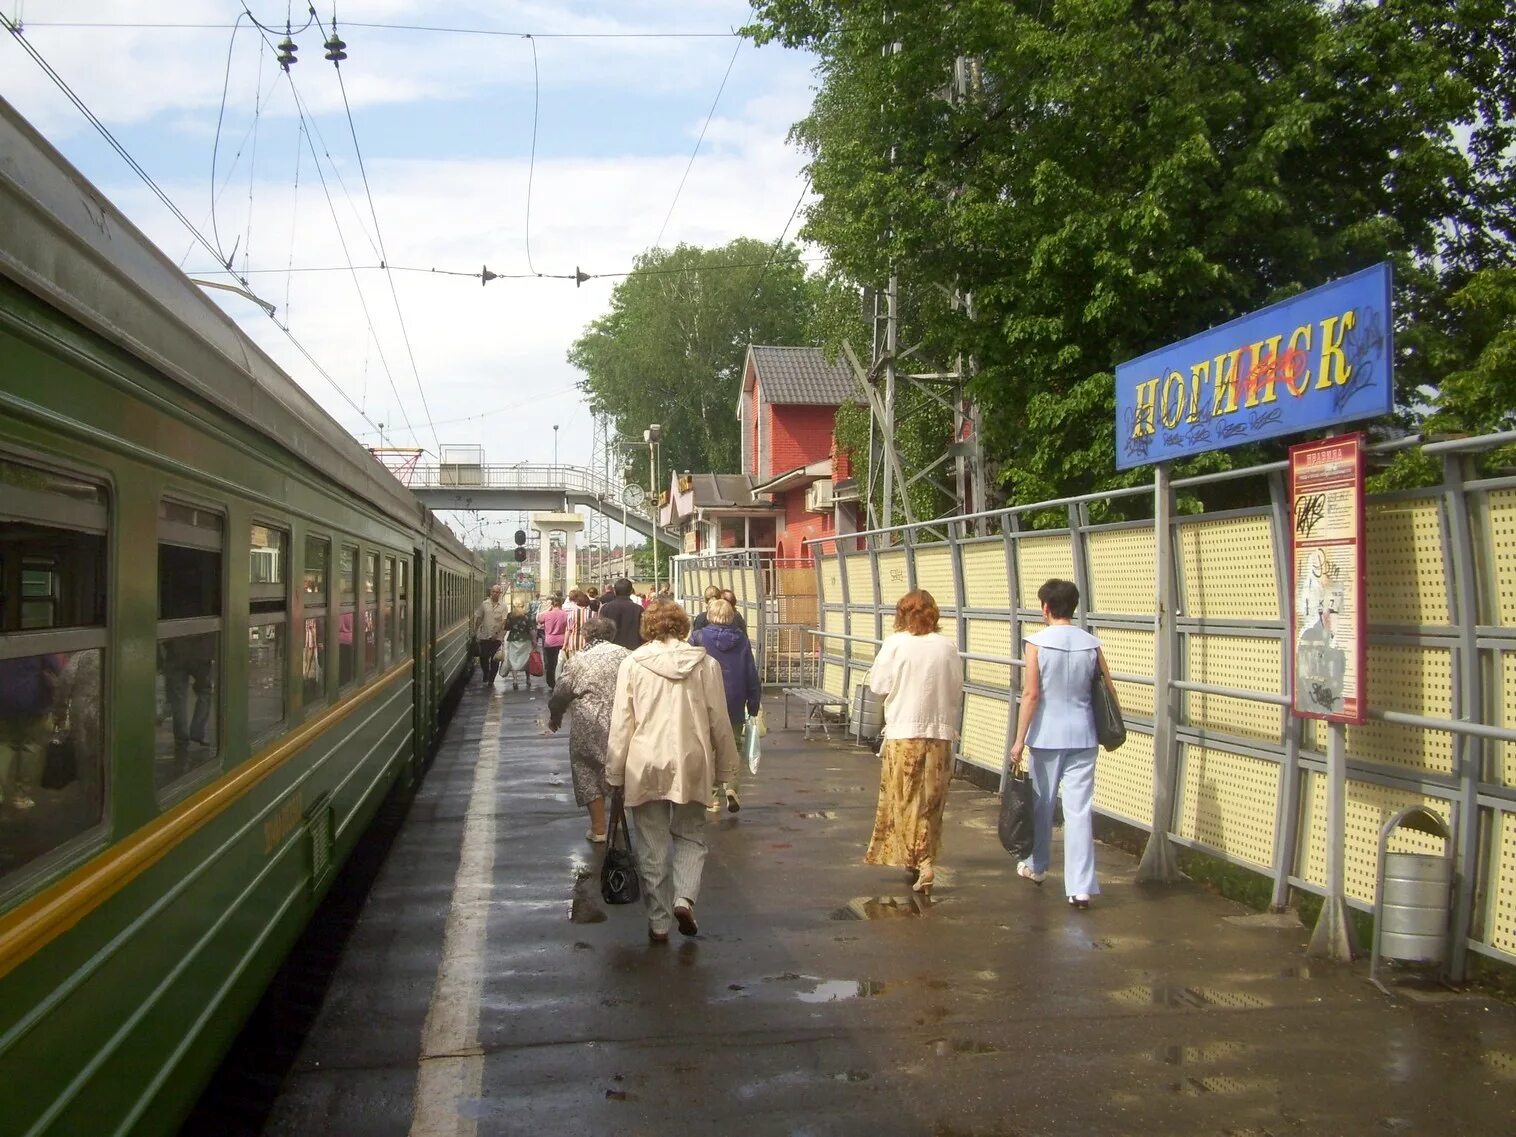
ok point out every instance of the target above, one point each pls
(442, 97)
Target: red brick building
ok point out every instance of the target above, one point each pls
(787, 490)
(788, 414)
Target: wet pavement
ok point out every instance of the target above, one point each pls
(487, 990)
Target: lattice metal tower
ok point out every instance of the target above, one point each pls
(597, 531)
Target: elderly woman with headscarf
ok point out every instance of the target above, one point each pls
(520, 633)
(670, 742)
(588, 684)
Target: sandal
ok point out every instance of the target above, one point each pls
(1024, 868)
(595, 838)
(924, 880)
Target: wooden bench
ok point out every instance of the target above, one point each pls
(817, 704)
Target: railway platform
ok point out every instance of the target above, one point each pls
(486, 990)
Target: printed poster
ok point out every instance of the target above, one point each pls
(1326, 558)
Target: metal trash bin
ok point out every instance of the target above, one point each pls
(1413, 898)
(868, 714)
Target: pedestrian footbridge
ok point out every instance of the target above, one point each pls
(534, 487)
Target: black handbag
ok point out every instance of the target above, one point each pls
(60, 766)
(1016, 826)
(1110, 729)
(618, 872)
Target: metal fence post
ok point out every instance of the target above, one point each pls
(1158, 864)
(1287, 810)
(1333, 938)
(1009, 528)
(1470, 694)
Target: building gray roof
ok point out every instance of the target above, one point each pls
(801, 375)
(730, 491)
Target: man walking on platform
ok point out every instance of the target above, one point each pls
(489, 630)
(626, 613)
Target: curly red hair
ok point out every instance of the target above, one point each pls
(665, 620)
(916, 612)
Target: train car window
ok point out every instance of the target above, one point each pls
(268, 628)
(387, 603)
(403, 607)
(190, 545)
(52, 645)
(370, 614)
(313, 593)
(347, 579)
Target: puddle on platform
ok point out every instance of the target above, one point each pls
(883, 907)
(1221, 1084)
(584, 906)
(1205, 1055)
(1196, 998)
(948, 1047)
(839, 990)
(818, 815)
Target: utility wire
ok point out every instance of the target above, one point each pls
(488, 276)
(115, 144)
(774, 252)
(658, 241)
(398, 27)
(226, 79)
(531, 167)
(405, 334)
(147, 178)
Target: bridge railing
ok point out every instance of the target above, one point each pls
(522, 476)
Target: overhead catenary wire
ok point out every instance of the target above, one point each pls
(405, 334)
(620, 273)
(531, 166)
(206, 26)
(710, 114)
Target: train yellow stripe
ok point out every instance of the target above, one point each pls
(36, 923)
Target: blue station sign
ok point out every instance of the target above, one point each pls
(1317, 359)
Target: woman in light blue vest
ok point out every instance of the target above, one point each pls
(1057, 725)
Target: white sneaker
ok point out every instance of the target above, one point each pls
(1024, 868)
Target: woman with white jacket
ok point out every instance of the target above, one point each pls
(670, 742)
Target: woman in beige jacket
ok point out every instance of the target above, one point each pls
(670, 742)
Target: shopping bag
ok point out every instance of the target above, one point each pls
(618, 872)
(534, 663)
(60, 765)
(752, 731)
(1016, 815)
(763, 723)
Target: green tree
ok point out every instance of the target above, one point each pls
(1121, 174)
(671, 348)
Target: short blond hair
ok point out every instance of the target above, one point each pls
(712, 593)
(720, 612)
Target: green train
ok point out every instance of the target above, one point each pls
(226, 633)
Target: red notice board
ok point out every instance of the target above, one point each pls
(1327, 612)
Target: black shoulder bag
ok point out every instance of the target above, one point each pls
(618, 873)
(1110, 729)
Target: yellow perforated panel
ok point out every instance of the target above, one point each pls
(829, 577)
(934, 572)
(1406, 579)
(831, 677)
(1040, 559)
(894, 577)
(1368, 807)
(989, 637)
(985, 582)
(1227, 801)
(1415, 680)
(1500, 525)
(861, 624)
(947, 626)
(985, 721)
(1502, 916)
(1235, 661)
(1122, 571)
(860, 579)
(833, 622)
(1229, 569)
(1124, 779)
(1130, 650)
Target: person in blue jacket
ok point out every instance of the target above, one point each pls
(728, 644)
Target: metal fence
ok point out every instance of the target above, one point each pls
(1214, 760)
